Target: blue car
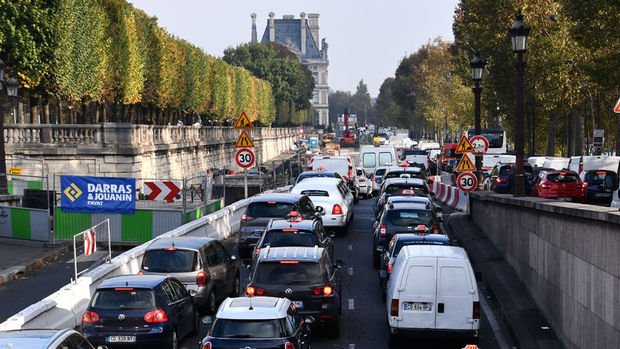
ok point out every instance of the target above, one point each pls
(140, 311)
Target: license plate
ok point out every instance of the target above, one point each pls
(299, 304)
(121, 339)
(565, 199)
(602, 195)
(417, 306)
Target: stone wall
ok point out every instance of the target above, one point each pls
(567, 255)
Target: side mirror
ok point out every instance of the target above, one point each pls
(192, 293)
(319, 209)
(340, 263)
(309, 320)
(207, 321)
(233, 258)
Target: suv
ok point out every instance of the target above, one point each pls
(402, 217)
(403, 172)
(258, 322)
(264, 207)
(45, 339)
(140, 310)
(502, 177)
(302, 233)
(202, 264)
(306, 276)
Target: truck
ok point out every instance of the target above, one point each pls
(349, 136)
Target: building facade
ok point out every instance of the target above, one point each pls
(301, 36)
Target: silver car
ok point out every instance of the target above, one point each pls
(45, 339)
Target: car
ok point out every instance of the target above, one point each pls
(401, 187)
(344, 165)
(45, 339)
(264, 207)
(502, 177)
(600, 185)
(306, 276)
(140, 310)
(364, 183)
(377, 179)
(258, 322)
(372, 156)
(416, 156)
(334, 198)
(294, 232)
(448, 152)
(388, 257)
(312, 174)
(202, 264)
(399, 218)
(561, 185)
(402, 172)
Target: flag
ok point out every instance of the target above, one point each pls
(90, 242)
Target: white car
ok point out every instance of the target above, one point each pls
(333, 195)
(377, 179)
(364, 183)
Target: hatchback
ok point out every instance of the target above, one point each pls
(502, 177)
(258, 322)
(45, 339)
(561, 185)
(153, 311)
(600, 185)
(202, 264)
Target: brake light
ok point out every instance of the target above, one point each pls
(201, 278)
(373, 179)
(207, 345)
(500, 180)
(545, 186)
(256, 251)
(337, 209)
(584, 185)
(476, 311)
(140, 273)
(435, 228)
(247, 218)
(123, 289)
(383, 229)
(289, 262)
(601, 172)
(420, 227)
(170, 249)
(156, 316)
(289, 230)
(394, 307)
(362, 179)
(90, 317)
(289, 345)
(254, 291)
(390, 267)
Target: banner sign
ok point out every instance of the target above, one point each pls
(98, 194)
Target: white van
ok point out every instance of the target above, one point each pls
(556, 163)
(432, 291)
(593, 163)
(371, 157)
(344, 165)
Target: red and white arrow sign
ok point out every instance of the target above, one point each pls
(162, 190)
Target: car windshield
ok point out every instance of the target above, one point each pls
(288, 272)
(598, 177)
(379, 172)
(385, 158)
(169, 260)
(414, 152)
(123, 298)
(402, 243)
(562, 177)
(315, 174)
(279, 238)
(394, 188)
(505, 170)
(397, 174)
(314, 192)
(449, 153)
(269, 209)
(406, 217)
(233, 328)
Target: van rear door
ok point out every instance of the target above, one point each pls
(455, 295)
(417, 292)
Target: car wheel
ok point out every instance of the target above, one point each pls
(236, 286)
(174, 341)
(212, 302)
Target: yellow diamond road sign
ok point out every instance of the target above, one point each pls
(465, 164)
(244, 141)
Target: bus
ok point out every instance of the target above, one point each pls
(496, 138)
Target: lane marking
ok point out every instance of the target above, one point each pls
(350, 247)
(501, 341)
(351, 346)
(351, 304)
(350, 270)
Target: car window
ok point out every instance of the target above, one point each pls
(179, 290)
(232, 328)
(220, 253)
(360, 172)
(269, 209)
(291, 324)
(380, 172)
(562, 177)
(288, 273)
(278, 238)
(398, 188)
(170, 260)
(369, 160)
(125, 298)
(307, 205)
(505, 170)
(314, 192)
(599, 177)
(169, 292)
(406, 217)
(385, 158)
(66, 344)
(79, 342)
(211, 255)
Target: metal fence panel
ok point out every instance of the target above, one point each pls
(164, 221)
(116, 224)
(6, 226)
(39, 224)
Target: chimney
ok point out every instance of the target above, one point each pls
(288, 17)
(254, 36)
(303, 32)
(313, 23)
(272, 28)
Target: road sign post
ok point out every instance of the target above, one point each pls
(467, 181)
(245, 157)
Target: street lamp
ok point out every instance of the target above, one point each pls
(518, 34)
(477, 65)
(12, 86)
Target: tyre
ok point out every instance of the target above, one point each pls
(174, 341)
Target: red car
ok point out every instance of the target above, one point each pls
(562, 185)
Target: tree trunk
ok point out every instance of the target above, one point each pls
(579, 136)
(97, 113)
(59, 116)
(570, 134)
(20, 112)
(34, 109)
(104, 113)
(551, 135)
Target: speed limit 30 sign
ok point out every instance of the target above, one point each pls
(245, 158)
(467, 181)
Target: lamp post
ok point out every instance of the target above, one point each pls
(477, 65)
(11, 88)
(518, 34)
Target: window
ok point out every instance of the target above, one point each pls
(179, 290)
(211, 256)
(307, 206)
(278, 238)
(170, 261)
(269, 209)
(385, 158)
(301, 273)
(409, 217)
(170, 293)
(314, 192)
(315, 97)
(369, 160)
(220, 253)
(126, 299)
(229, 328)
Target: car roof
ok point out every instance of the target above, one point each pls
(311, 183)
(184, 242)
(31, 338)
(409, 206)
(415, 181)
(434, 251)
(306, 224)
(395, 199)
(427, 237)
(280, 197)
(404, 169)
(319, 172)
(306, 254)
(137, 281)
(253, 308)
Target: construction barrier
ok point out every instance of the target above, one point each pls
(25, 223)
(449, 195)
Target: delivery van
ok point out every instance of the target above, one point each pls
(372, 157)
(432, 291)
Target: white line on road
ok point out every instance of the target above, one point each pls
(351, 346)
(350, 247)
(350, 270)
(351, 304)
(501, 341)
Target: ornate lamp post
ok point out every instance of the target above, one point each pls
(518, 34)
(477, 65)
(12, 86)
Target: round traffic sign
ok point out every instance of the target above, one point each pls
(467, 181)
(245, 158)
(480, 144)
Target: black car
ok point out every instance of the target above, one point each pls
(265, 207)
(600, 186)
(312, 174)
(153, 311)
(259, 322)
(502, 177)
(292, 232)
(306, 276)
(202, 264)
(403, 217)
(403, 172)
(401, 187)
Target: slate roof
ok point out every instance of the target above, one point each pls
(289, 30)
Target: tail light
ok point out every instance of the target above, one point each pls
(156, 316)
(201, 278)
(394, 306)
(390, 267)
(373, 179)
(584, 185)
(545, 186)
(256, 251)
(289, 345)
(207, 345)
(476, 311)
(90, 317)
(501, 180)
(323, 291)
(254, 291)
(435, 228)
(383, 229)
(246, 218)
(140, 273)
(337, 209)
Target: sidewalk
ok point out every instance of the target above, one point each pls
(518, 311)
(22, 256)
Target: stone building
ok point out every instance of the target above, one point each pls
(301, 36)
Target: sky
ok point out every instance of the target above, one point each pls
(367, 38)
